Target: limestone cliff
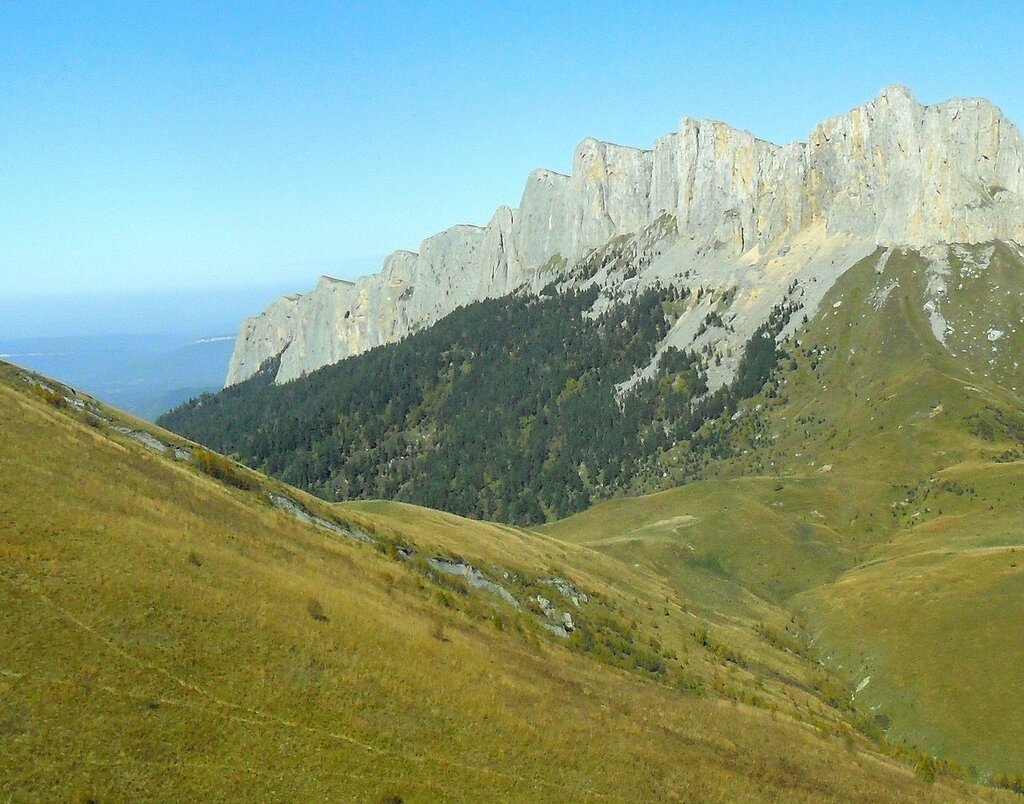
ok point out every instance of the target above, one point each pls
(747, 214)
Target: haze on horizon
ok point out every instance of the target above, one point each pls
(167, 150)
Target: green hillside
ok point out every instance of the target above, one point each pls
(874, 491)
(179, 627)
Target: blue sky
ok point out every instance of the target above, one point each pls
(147, 147)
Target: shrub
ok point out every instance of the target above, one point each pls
(316, 610)
(223, 469)
(1015, 783)
(50, 396)
(924, 769)
(646, 660)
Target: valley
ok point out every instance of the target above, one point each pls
(859, 505)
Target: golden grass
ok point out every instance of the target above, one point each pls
(158, 645)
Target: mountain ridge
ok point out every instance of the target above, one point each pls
(889, 172)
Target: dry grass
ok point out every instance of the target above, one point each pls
(158, 645)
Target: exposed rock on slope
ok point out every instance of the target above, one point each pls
(745, 214)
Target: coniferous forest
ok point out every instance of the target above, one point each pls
(506, 409)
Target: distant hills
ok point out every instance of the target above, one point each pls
(144, 374)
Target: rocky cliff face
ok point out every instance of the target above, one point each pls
(747, 214)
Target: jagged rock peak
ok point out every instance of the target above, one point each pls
(891, 172)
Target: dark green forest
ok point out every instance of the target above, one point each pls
(505, 409)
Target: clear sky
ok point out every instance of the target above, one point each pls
(175, 146)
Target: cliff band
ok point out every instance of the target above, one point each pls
(708, 205)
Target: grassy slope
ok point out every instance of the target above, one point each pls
(157, 645)
(864, 501)
(931, 614)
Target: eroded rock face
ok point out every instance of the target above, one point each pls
(890, 172)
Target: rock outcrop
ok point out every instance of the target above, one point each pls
(890, 172)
